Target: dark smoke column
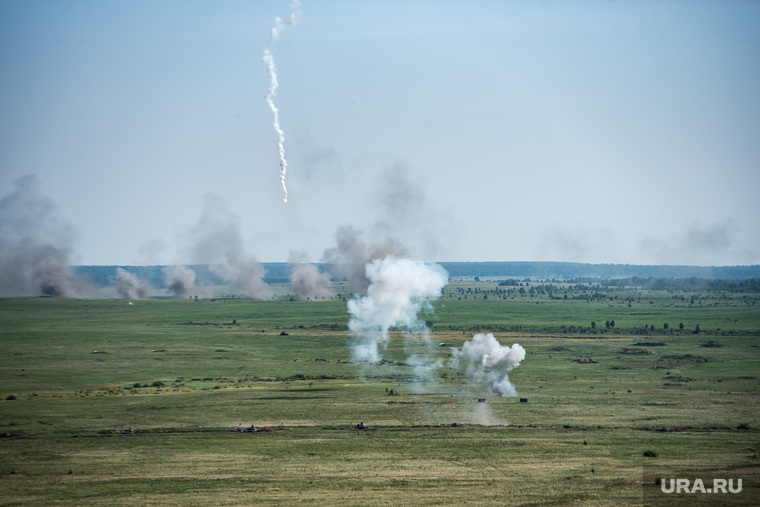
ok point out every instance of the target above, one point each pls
(34, 246)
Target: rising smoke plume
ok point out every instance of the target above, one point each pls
(129, 285)
(35, 246)
(245, 275)
(180, 281)
(348, 259)
(216, 239)
(399, 289)
(408, 211)
(295, 10)
(306, 279)
(489, 363)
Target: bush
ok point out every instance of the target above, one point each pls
(10, 397)
(650, 454)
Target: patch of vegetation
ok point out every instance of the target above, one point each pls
(635, 352)
(684, 359)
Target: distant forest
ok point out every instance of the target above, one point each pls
(575, 272)
(565, 271)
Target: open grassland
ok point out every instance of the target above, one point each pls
(77, 375)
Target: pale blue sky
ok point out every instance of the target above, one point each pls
(592, 131)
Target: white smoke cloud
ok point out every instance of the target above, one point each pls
(295, 11)
(399, 289)
(489, 363)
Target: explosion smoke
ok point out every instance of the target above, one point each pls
(216, 239)
(180, 280)
(489, 362)
(349, 258)
(34, 246)
(245, 276)
(129, 285)
(306, 279)
(399, 288)
(295, 10)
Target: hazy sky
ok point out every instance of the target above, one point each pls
(592, 131)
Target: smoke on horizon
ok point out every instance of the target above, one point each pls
(489, 363)
(349, 258)
(245, 275)
(129, 285)
(180, 281)
(306, 279)
(216, 239)
(35, 246)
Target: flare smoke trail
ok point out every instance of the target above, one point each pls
(399, 288)
(269, 60)
(489, 362)
(295, 10)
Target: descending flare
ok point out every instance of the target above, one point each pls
(273, 84)
(295, 9)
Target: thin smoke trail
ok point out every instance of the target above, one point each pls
(269, 60)
(295, 10)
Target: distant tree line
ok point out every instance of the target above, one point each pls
(686, 284)
(564, 271)
(606, 290)
(667, 284)
(727, 278)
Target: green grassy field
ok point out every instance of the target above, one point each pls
(75, 375)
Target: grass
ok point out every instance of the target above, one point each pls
(181, 374)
